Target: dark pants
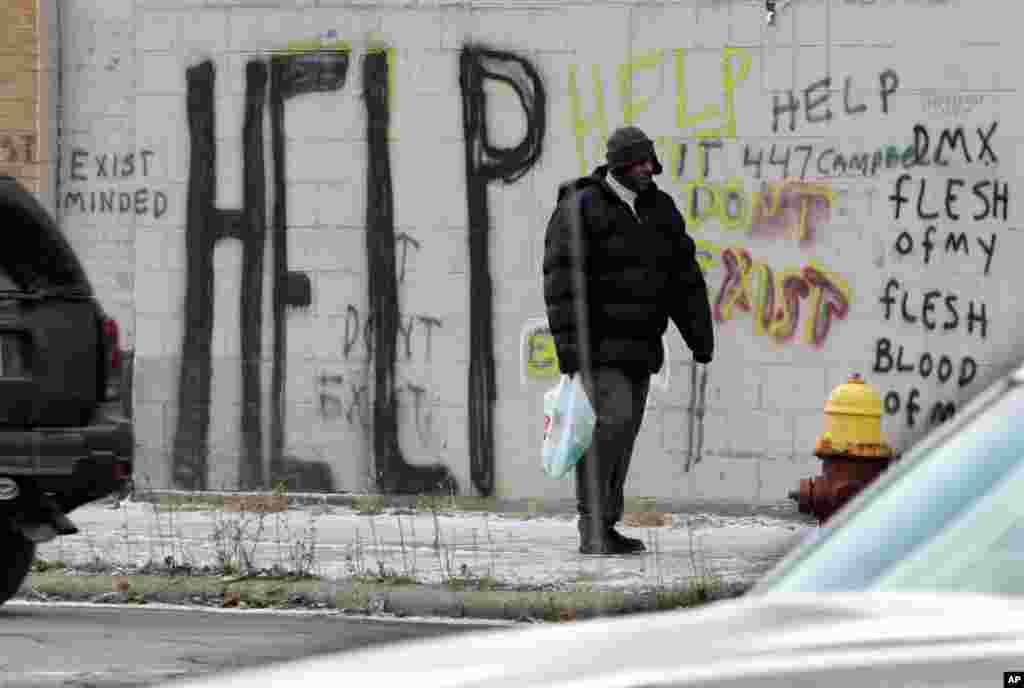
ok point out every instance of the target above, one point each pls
(618, 400)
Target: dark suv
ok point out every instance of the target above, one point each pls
(64, 438)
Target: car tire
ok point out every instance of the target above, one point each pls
(16, 556)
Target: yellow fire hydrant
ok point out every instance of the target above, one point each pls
(852, 450)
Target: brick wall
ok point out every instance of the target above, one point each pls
(224, 185)
(21, 93)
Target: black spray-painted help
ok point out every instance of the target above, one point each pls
(394, 473)
(206, 225)
(486, 163)
(291, 76)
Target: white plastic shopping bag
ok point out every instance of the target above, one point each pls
(568, 426)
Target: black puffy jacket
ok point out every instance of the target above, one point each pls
(630, 277)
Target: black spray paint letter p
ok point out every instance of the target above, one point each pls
(485, 163)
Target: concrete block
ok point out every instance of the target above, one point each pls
(344, 335)
(412, 29)
(255, 30)
(324, 338)
(810, 68)
(158, 31)
(152, 469)
(429, 158)
(421, 256)
(726, 479)
(432, 296)
(424, 71)
(451, 379)
(154, 113)
(343, 204)
(317, 160)
(300, 422)
(258, 29)
(100, 93)
(327, 249)
(732, 387)
(223, 469)
(161, 74)
(518, 431)
(150, 248)
(807, 429)
(150, 425)
(457, 253)
(160, 292)
(352, 471)
(749, 28)
(165, 151)
(663, 27)
(765, 435)
(231, 4)
(675, 428)
(114, 11)
(103, 44)
(303, 330)
(667, 476)
(204, 32)
(776, 479)
(649, 439)
(338, 115)
(155, 380)
(718, 435)
(522, 29)
(514, 228)
(788, 388)
(157, 335)
(713, 22)
(418, 117)
(335, 290)
(776, 74)
(421, 430)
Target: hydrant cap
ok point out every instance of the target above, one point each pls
(854, 398)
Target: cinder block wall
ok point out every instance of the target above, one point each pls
(241, 177)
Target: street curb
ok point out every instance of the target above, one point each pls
(414, 601)
(782, 510)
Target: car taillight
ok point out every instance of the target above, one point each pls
(122, 471)
(112, 334)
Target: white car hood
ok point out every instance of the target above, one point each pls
(729, 639)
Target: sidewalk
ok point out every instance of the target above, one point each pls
(453, 555)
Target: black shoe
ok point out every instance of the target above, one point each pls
(632, 544)
(604, 547)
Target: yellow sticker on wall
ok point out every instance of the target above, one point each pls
(542, 360)
(539, 359)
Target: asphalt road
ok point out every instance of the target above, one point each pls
(89, 646)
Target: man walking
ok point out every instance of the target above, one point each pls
(617, 264)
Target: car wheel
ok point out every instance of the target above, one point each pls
(16, 555)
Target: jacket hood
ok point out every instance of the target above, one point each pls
(598, 177)
(566, 188)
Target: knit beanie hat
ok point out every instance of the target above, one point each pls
(628, 145)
